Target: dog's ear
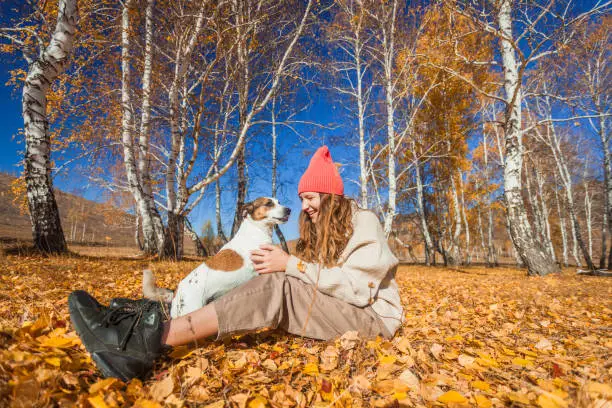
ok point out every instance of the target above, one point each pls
(248, 208)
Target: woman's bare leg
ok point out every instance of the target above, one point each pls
(192, 327)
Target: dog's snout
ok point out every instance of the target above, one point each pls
(287, 211)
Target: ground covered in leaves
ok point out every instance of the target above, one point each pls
(471, 337)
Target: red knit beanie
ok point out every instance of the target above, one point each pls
(321, 176)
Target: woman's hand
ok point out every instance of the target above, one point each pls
(269, 259)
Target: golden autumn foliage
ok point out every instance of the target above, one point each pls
(471, 337)
(20, 198)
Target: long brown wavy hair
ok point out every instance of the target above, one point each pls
(324, 240)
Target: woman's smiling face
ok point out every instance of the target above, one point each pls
(311, 202)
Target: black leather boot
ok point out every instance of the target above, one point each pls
(121, 301)
(125, 340)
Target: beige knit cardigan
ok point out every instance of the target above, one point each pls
(365, 273)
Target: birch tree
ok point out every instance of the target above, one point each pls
(350, 35)
(586, 88)
(531, 252)
(438, 113)
(258, 98)
(385, 17)
(274, 160)
(45, 64)
(588, 209)
(561, 216)
(525, 35)
(551, 138)
(489, 176)
(152, 226)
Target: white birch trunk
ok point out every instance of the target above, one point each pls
(455, 257)
(562, 227)
(176, 194)
(127, 131)
(465, 224)
(363, 175)
(607, 164)
(429, 245)
(588, 218)
(604, 232)
(574, 228)
(534, 204)
(491, 253)
(566, 179)
(274, 156)
(277, 229)
(47, 233)
(217, 153)
(225, 111)
(483, 246)
(533, 255)
(545, 211)
(388, 62)
(152, 226)
(243, 84)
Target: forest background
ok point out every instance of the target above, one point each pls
(475, 133)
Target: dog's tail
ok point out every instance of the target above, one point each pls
(151, 291)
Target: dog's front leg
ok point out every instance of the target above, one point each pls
(190, 293)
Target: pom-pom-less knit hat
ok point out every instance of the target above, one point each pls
(321, 176)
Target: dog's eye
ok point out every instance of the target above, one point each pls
(270, 204)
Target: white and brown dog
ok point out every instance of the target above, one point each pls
(230, 267)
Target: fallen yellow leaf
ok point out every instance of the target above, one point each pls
(97, 401)
(551, 401)
(146, 403)
(482, 401)
(54, 361)
(521, 362)
(387, 359)
(452, 396)
(311, 369)
(481, 385)
(519, 397)
(181, 352)
(58, 342)
(456, 337)
(258, 402)
(400, 395)
(102, 385)
(487, 361)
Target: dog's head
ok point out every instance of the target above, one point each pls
(267, 210)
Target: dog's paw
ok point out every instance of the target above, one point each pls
(151, 291)
(165, 295)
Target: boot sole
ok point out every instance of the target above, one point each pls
(85, 334)
(105, 369)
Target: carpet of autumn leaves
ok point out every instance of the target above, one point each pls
(471, 337)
